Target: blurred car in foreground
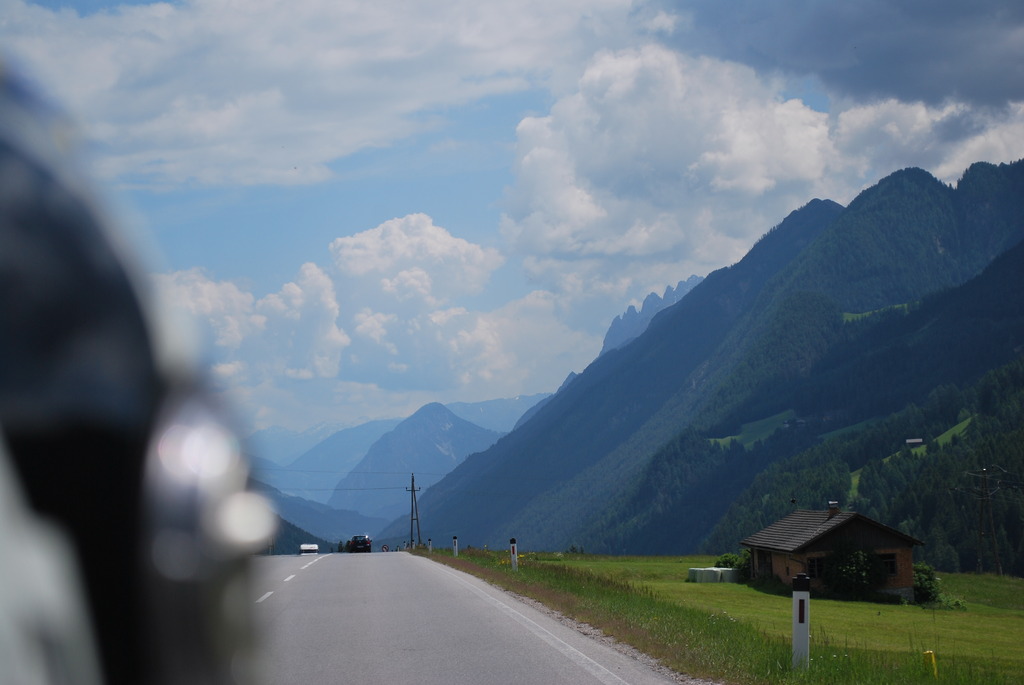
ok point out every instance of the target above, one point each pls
(126, 523)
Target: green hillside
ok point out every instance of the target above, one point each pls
(927, 492)
(693, 481)
(558, 469)
(624, 459)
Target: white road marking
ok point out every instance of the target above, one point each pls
(289, 578)
(311, 563)
(575, 655)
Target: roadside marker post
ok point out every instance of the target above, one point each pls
(430, 545)
(455, 545)
(515, 554)
(801, 620)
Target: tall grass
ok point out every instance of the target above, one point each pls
(709, 643)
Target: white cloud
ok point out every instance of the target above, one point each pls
(650, 164)
(661, 22)
(217, 92)
(891, 133)
(293, 332)
(943, 139)
(373, 325)
(274, 351)
(669, 164)
(410, 258)
(227, 312)
(764, 143)
(302, 320)
(499, 352)
(1001, 139)
(658, 163)
(228, 370)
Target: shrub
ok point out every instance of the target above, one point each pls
(728, 560)
(739, 561)
(853, 573)
(926, 585)
(928, 591)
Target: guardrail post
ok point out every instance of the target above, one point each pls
(455, 545)
(801, 620)
(515, 554)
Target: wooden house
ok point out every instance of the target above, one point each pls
(800, 543)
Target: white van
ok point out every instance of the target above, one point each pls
(309, 549)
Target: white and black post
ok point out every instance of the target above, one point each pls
(515, 554)
(801, 620)
(455, 545)
(430, 545)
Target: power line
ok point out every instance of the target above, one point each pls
(304, 489)
(285, 469)
(397, 487)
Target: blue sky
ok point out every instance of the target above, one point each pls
(371, 206)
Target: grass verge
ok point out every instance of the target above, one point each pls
(728, 636)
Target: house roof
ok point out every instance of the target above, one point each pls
(805, 526)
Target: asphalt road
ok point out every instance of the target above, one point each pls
(393, 618)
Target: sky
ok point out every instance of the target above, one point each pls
(369, 206)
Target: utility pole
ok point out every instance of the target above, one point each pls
(986, 521)
(987, 499)
(414, 513)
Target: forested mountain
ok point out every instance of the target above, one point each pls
(838, 318)
(882, 365)
(961, 492)
(559, 467)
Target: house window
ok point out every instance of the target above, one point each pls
(890, 563)
(815, 567)
(764, 563)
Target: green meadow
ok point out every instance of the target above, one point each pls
(739, 634)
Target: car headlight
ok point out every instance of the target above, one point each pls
(201, 528)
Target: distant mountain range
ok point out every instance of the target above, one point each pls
(314, 473)
(356, 479)
(496, 415)
(321, 521)
(840, 320)
(282, 446)
(289, 537)
(428, 445)
(630, 324)
(327, 480)
(310, 464)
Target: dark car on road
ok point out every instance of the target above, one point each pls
(359, 543)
